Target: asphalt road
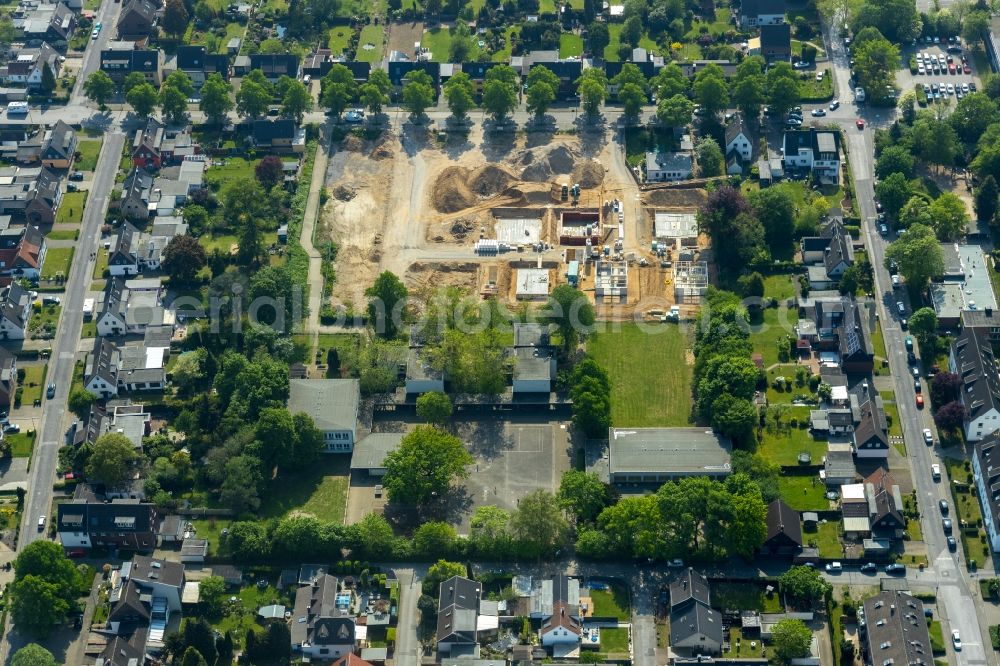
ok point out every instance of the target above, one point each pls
(55, 418)
(948, 571)
(107, 16)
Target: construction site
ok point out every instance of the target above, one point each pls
(515, 227)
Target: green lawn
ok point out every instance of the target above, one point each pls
(782, 445)
(828, 540)
(71, 209)
(241, 615)
(57, 260)
(340, 36)
(614, 641)
(913, 529)
(320, 491)
(33, 384)
(503, 55)
(775, 323)
(612, 602)
(715, 28)
(211, 529)
(878, 341)
(967, 511)
(21, 444)
(438, 40)
(744, 596)
(803, 493)
(222, 242)
(570, 45)
(101, 264)
(63, 234)
(792, 388)
(892, 416)
(937, 637)
(374, 36)
(651, 388)
(89, 150)
(780, 287)
(741, 648)
(234, 168)
(812, 90)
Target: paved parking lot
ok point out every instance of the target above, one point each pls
(907, 81)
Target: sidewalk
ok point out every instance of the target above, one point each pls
(310, 216)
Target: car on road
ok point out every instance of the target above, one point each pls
(911, 358)
(869, 567)
(903, 324)
(895, 569)
(916, 386)
(909, 343)
(956, 640)
(41, 523)
(883, 230)
(916, 373)
(50, 392)
(943, 506)
(834, 105)
(952, 544)
(920, 401)
(860, 122)
(896, 282)
(946, 525)
(818, 113)
(900, 308)
(928, 437)
(936, 472)
(834, 567)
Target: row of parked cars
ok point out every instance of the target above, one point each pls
(939, 90)
(939, 63)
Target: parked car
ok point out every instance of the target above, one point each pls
(920, 401)
(946, 525)
(869, 568)
(895, 569)
(834, 105)
(900, 308)
(818, 113)
(41, 523)
(11, 429)
(51, 300)
(936, 472)
(916, 386)
(76, 552)
(834, 567)
(76, 175)
(800, 64)
(943, 506)
(956, 640)
(860, 122)
(928, 437)
(50, 392)
(952, 544)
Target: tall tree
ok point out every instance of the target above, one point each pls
(33, 655)
(782, 88)
(36, 605)
(776, 211)
(372, 98)
(791, 639)
(386, 304)
(269, 172)
(674, 111)
(111, 461)
(175, 18)
(215, 100)
(252, 99)
(918, 255)
(183, 257)
(338, 88)
(543, 86)
(711, 162)
(876, 62)
(539, 525)
(458, 94)
(172, 100)
(434, 407)
(417, 93)
(99, 88)
(592, 87)
(598, 37)
(987, 199)
(583, 494)
(711, 91)
(423, 467)
(950, 216)
(571, 311)
(670, 81)
(804, 584)
(296, 101)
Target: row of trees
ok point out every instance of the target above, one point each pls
(252, 101)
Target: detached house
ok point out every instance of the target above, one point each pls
(323, 625)
(15, 310)
(58, 146)
(776, 42)
(561, 616)
(275, 65)
(739, 146)
(22, 251)
(198, 64)
(100, 372)
(871, 429)
(49, 22)
(666, 167)
(754, 13)
(278, 135)
(463, 615)
(828, 255)
(27, 67)
(973, 361)
(813, 151)
(695, 628)
(784, 530)
(137, 19)
(147, 144)
(885, 505)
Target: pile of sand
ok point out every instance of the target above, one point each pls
(489, 180)
(343, 193)
(543, 163)
(589, 174)
(451, 191)
(352, 144)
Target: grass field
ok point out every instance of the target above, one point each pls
(21, 444)
(741, 648)
(783, 446)
(57, 260)
(374, 36)
(614, 641)
(438, 40)
(803, 493)
(320, 491)
(570, 45)
(101, 264)
(828, 540)
(744, 596)
(503, 55)
(89, 150)
(612, 602)
(71, 209)
(967, 511)
(234, 168)
(63, 234)
(650, 376)
(241, 614)
(33, 384)
(340, 36)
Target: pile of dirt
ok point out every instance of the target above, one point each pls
(489, 180)
(380, 150)
(543, 163)
(343, 193)
(589, 174)
(677, 197)
(451, 191)
(461, 228)
(352, 144)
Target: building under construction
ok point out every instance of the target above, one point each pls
(690, 281)
(577, 226)
(610, 281)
